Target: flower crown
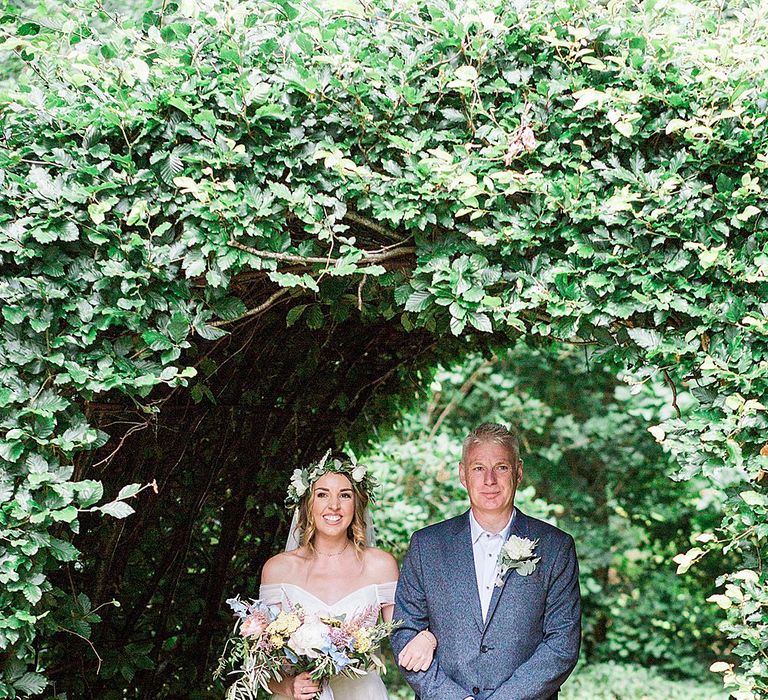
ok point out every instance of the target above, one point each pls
(302, 479)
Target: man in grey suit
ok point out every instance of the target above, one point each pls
(501, 635)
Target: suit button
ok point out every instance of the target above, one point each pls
(483, 649)
(475, 690)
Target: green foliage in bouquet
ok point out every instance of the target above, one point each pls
(555, 170)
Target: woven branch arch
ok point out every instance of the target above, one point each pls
(311, 205)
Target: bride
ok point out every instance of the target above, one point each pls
(329, 568)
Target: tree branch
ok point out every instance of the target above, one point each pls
(256, 310)
(289, 257)
(461, 395)
(371, 225)
(87, 641)
(672, 386)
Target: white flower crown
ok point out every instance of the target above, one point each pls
(302, 479)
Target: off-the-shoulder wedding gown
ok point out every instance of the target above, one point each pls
(367, 687)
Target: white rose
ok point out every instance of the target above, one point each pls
(358, 473)
(518, 548)
(310, 637)
(298, 483)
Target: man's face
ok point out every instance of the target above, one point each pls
(491, 476)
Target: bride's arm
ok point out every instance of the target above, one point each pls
(300, 687)
(386, 612)
(382, 567)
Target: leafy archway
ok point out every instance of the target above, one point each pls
(362, 190)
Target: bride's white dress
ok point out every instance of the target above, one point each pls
(367, 687)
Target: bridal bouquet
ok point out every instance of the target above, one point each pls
(268, 644)
(253, 650)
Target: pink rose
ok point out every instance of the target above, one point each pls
(253, 625)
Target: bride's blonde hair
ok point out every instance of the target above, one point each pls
(356, 532)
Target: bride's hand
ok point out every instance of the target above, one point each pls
(418, 653)
(301, 687)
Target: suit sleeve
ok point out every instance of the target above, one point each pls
(553, 660)
(412, 612)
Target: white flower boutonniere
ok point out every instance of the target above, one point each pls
(516, 553)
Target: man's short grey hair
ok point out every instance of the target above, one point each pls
(492, 432)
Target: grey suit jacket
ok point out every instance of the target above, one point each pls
(530, 640)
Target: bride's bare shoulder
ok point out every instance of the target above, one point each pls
(281, 567)
(381, 565)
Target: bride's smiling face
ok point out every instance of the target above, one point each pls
(333, 504)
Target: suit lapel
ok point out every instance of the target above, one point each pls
(464, 566)
(519, 527)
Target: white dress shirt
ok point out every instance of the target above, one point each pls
(486, 547)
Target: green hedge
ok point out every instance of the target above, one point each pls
(612, 681)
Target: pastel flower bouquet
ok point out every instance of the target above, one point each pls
(268, 644)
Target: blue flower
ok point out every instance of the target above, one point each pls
(240, 609)
(340, 659)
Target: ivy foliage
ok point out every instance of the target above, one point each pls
(562, 169)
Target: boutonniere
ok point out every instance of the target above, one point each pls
(516, 553)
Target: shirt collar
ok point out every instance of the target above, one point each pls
(477, 530)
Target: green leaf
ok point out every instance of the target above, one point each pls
(47, 187)
(418, 300)
(466, 73)
(11, 451)
(171, 166)
(89, 491)
(685, 561)
(168, 374)
(62, 550)
(31, 683)
(117, 509)
(194, 262)
(294, 314)
(156, 341)
(210, 332)
(128, 491)
(49, 403)
(481, 322)
(84, 602)
(181, 105)
(457, 325)
(178, 328)
(674, 125)
(588, 97)
(229, 309)
(98, 211)
(314, 317)
(289, 11)
(65, 515)
(753, 498)
(14, 314)
(32, 593)
(28, 29)
(646, 338)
